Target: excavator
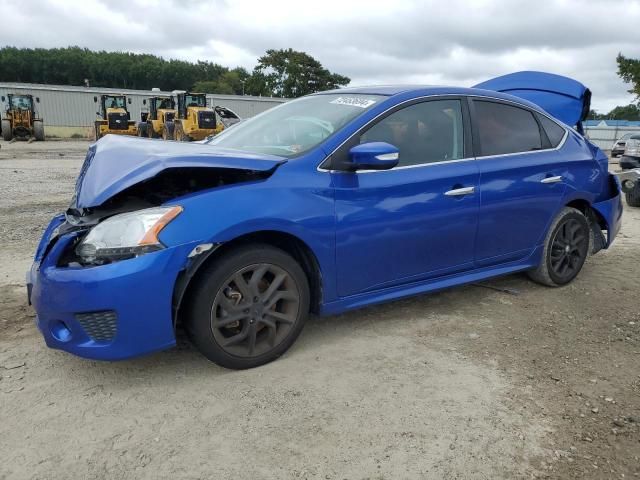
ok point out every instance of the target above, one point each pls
(162, 109)
(21, 120)
(114, 117)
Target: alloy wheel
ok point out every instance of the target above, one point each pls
(569, 248)
(254, 310)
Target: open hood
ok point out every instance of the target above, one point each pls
(115, 163)
(564, 98)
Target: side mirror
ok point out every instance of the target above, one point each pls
(144, 101)
(37, 99)
(95, 99)
(98, 113)
(374, 156)
(3, 98)
(129, 101)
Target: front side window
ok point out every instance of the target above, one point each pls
(506, 129)
(114, 102)
(21, 103)
(296, 126)
(425, 132)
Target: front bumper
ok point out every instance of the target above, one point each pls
(132, 298)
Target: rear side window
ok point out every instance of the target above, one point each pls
(506, 129)
(554, 132)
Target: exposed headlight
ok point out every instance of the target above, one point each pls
(126, 235)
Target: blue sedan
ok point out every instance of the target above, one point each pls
(326, 203)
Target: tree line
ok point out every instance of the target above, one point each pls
(629, 71)
(278, 73)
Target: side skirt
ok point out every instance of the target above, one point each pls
(433, 285)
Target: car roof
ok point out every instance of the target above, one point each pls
(408, 91)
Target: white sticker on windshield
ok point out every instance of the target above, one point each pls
(354, 102)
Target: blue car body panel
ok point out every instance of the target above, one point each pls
(375, 236)
(118, 162)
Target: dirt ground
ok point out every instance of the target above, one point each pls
(499, 381)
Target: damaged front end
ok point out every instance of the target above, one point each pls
(102, 281)
(117, 214)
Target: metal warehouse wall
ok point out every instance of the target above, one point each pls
(67, 106)
(604, 136)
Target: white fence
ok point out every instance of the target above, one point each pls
(605, 136)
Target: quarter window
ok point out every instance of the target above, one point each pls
(425, 132)
(506, 129)
(554, 132)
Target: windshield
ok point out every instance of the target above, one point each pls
(114, 102)
(195, 100)
(296, 126)
(21, 103)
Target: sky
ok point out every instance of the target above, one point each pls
(444, 42)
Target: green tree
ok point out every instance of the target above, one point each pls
(289, 73)
(593, 115)
(626, 112)
(629, 71)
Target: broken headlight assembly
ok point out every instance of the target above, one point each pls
(126, 235)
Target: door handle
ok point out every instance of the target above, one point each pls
(552, 179)
(460, 191)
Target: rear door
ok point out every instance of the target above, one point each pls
(521, 178)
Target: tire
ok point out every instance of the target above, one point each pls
(7, 132)
(633, 197)
(38, 130)
(179, 134)
(566, 247)
(256, 336)
(142, 129)
(168, 130)
(150, 132)
(97, 130)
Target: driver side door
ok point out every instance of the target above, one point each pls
(418, 220)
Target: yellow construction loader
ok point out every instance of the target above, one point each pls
(20, 119)
(194, 120)
(114, 117)
(162, 109)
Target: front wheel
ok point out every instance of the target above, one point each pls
(168, 130)
(566, 249)
(248, 307)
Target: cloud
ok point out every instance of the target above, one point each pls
(445, 42)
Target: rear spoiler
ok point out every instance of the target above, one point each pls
(563, 98)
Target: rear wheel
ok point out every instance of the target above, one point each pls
(142, 129)
(7, 132)
(566, 248)
(248, 307)
(38, 130)
(633, 197)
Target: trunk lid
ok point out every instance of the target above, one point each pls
(564, 98)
